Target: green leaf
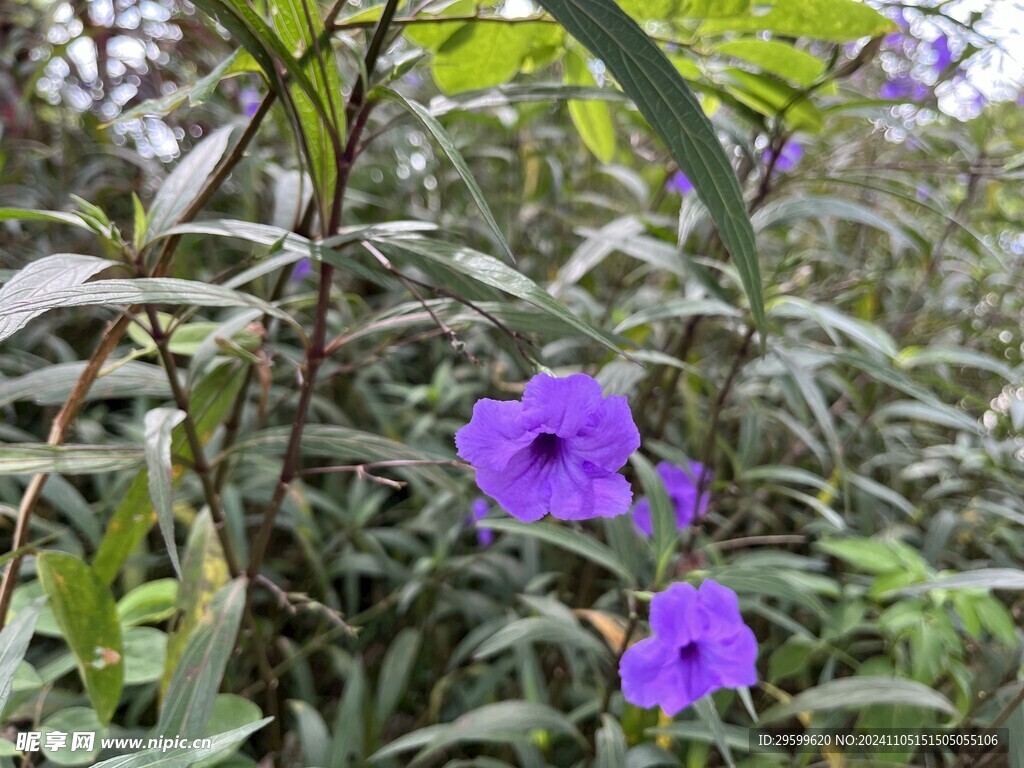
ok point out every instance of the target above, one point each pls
(688, 9)
(52, 385)
(395, 671)
(663, 514)
(70, 721)
(705, 709)
(33, 289)
(445, 142)
(489, 271)
(866, 335)
(181, 758)
(984, 578)
(157, 436)
(313, 737)
(593, 119)
(348, 745)
(148, 603)
(211, 400)
(301, 29)
(204, 573)
(776, 58)
(32, 458)
(541, 629)
(14, 640)
(193, 687)
(860, 692)
(182, 186)
(87, 615)
(146, 290)
(835, 20)
(230, 712)
(774, 99)
(676, 308)
(663, 97)
(482, 55)
(196, 94)
(145, 652)
(871, 555)
(508, 722)
(610, 744)
(568, 539)
(54, 217)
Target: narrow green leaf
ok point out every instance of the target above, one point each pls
(84, 608)
(611, 744)
(52, 385)
(835, 20)
(146, 290)
(663, 514)
(776, 58)
(541, 629)
(33, 458)
(395, 671)
(448, 146)
(593, 119)
(181, 758)
(348, 745)
(148, 603)
(858, 693)
(705, 709)
(491, 272)
(157, 436)
(196, 680)
(181, 187)
(983, 578)
(566, 538)
(662, 96)
(54, 217)
(14, 640)
(30, 292)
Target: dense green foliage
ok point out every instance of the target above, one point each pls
(254, 278)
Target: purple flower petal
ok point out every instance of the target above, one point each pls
(494, 435)
(302, 269)
(681, 487)
(679, 183)
(556, 451)
(700, 644)
(943, 56)
(479, 510)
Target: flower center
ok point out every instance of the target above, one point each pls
(688, 653)
(547, 446)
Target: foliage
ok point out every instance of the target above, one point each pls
(229, 385)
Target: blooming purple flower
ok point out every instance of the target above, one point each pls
(790, 155)
(679, 183)
(479, 510)
(250, 99)
(681, 485)
(700, 644)
(904, 88)
(302, 269)
(555, 451)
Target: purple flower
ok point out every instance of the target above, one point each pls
(480, 508)
(790, 155)
(700, 644)
(250, 100)
(904, 88)
(679, 183)
(681, 485)
(555, 451)
(302, 269)
(943, 57)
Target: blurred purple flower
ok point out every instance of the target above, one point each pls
(679, 183)
(555, 451)
(480, 508)
(700, 644)
(922, 192)
(790, 155)
(249, 98)
(904, 88)
(302, 270)
(681, 486)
